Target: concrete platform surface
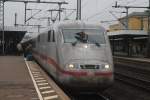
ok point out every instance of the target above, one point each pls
(15, 81)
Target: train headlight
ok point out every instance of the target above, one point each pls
(71, 66)
(86, 46)
(107, 66)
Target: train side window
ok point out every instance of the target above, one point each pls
(39, 38)
(53, 39)
(49, 36)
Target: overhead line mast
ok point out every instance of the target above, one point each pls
(25, 19)
(38, 1)
(78, 10)
(2, 24)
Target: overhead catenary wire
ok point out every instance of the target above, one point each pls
(40, 15)
(127, 2)
(70, 14)
(100, 12)
(84, 4)
(103, 10)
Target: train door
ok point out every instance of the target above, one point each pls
(42, 49)
(51, 52)
(38, 47)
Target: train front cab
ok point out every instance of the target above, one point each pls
(86, 66)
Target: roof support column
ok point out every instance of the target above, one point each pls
(2, 24)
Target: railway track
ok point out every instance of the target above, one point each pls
(133, 80)
(138, 67)
(140, 64)
(89, 96)
(104, 97)
(133, 72)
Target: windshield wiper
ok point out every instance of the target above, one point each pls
(74, 43)
(97, 44)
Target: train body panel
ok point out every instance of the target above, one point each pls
(76, 54)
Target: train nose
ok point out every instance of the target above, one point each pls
(83, 52)
(90, 65)
(90, 83)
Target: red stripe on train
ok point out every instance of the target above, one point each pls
(52, 62)
(103, 73)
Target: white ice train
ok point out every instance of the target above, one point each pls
(77, 54)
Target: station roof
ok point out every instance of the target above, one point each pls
(137, 14)
(14, 29)
(15, 33)
(140, 14)
(127, 33)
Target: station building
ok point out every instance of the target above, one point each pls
(136, 21)
(131, 41)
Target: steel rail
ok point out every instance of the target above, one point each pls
(131, 80)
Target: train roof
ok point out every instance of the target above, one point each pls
(78, 25)
(74, 24)
(28, 37)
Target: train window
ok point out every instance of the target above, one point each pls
(39, 38)
(49, 36)
(93, 36)
(53, 39)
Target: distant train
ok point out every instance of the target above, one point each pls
(77, 54)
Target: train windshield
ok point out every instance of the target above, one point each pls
(91, 36)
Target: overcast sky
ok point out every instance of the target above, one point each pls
(92, 10)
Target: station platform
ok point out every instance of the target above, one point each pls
(15, 81)
(25, 80)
